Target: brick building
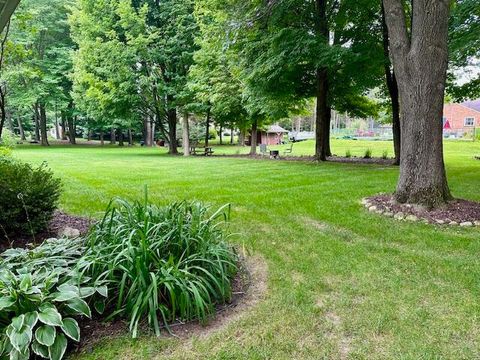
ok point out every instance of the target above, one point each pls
(461, 120)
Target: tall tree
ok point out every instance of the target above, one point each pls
(420, 60)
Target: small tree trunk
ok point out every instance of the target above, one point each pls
(153, 132)
(207, 127)
(420, 64)
(20, 128)
(253, 141)
(102, 138)
(10, 122)
(43, 125)
(186, 135)
(71, 130)
(90, 135)
(113, 139)
(147, 131)
(36, 119)
(220, 135)
(241, 138)
(231, 136)
(57, 127)
(172, 131)
(64, 127)
(130, 137)
(120, 138)
(322, 117)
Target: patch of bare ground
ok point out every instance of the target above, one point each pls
(456, 212)
(57, 224)
(249, 288)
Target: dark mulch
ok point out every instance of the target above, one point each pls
(360, 160)
(457, 210)
(339, 159)
(60, 221)
(94, 330)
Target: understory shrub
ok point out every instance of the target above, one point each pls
(161, 262)
(40, 292)
(28, 197)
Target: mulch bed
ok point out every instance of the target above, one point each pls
(60, 221)
(456, 212)
(94, 330)
(339, 159)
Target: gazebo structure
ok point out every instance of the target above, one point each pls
(273, 135)
(7, 7)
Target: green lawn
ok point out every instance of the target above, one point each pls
(342, 283)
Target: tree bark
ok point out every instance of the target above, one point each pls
(232, 133)
(241, 138)
(220, 135)
(253, 138)
(43, 125)
(420, 65)
(322, 114)
(393, 92)
(20, 128)
(186, 135)
(102, 138)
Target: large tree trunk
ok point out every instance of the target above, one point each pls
(393, 92)
(322, 114)
(253, 138)
(20, 128)
(241, 137)
(186, 135)
(207, 127)
(43, 125)
(420, 64)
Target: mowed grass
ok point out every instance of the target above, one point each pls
(342, 283)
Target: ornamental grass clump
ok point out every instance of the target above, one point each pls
(167, 263)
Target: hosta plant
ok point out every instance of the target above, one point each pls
(40, 293)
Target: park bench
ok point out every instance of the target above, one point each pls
(205, 151)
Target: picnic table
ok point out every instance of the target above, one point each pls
(202, 150)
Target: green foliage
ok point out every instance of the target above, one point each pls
(385, 154)
(28, 198)
(169, 262)
(40, 289)
(348, 153)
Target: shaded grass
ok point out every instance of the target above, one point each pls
(343, 283)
